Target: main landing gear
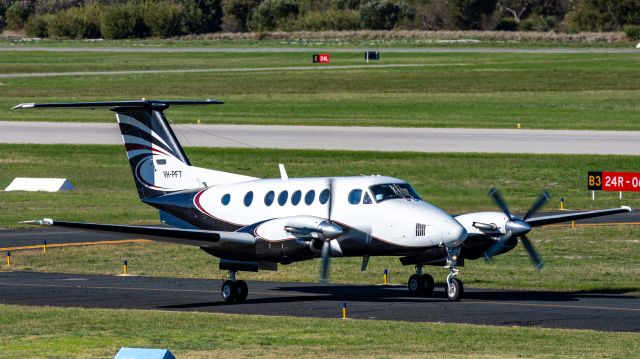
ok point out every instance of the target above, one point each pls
(422, 284)
(234, 291)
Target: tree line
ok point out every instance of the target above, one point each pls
(116, 19)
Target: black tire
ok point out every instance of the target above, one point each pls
(428, 284)
(229, 291)
(242, 290)
(415, 285)
(455, 290)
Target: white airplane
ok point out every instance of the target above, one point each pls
(253, 224)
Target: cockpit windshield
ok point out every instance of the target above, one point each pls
(383, 192)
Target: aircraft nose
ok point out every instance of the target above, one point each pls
(453, 233)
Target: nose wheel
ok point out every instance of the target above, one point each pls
(234, 291)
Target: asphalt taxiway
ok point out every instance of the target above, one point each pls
(577, 310)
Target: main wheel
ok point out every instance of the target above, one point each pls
(428, 284)
(455, 290)
(229, 291)
(242, 290)
(415, 285)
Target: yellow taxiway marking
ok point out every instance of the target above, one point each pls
(595, 224)
(75, 244)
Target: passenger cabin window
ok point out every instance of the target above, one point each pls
(324, 196)
(355, 196)
(282, 198)
(248, 198)
(367, 198)
(268, 198)
(295, 197)
(309, 197)
(383, 192)
(225, 199)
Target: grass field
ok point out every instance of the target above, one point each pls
(456, 182)
(100, 333)
(552, 91)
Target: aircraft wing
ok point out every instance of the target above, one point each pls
(558, 218)
(193, 237)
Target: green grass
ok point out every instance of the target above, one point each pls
(55, 332)
(455, 182)
(550, 91)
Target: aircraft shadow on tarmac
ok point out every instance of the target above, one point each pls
(397, 294)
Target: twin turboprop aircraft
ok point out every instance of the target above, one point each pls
(255, 224)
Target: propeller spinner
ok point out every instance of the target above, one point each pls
(517, 227)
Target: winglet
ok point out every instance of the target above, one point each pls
(629, 209)
(39, 222)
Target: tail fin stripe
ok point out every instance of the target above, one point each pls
(142, 148)
(131, 135)
(124, 119)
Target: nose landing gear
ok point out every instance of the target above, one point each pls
(454, 285)
(234, 291)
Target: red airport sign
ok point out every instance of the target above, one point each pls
(322, 58)
(614, 181)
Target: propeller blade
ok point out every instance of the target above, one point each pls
(330, 204)
(325, 256)
(535, 258)
(541, 201)
(496, 247)
(365, 263)
(497, 198)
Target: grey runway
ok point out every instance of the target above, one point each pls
(580, 310)
(344, 138)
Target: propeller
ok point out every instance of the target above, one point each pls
(325, 254)
(516, 227)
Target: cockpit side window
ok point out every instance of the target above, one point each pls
(367, 198)
(383, 192)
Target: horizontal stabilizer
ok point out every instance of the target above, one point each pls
(193, 237)
(163, 104)
(541, 221)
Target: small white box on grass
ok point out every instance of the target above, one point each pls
(143, 353)
(40, 184)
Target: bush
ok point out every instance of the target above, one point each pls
(1, 23)
(55, 6)
(202, 16)
(379, 14)
(37, 25)
(632, 31)
(164, 19)
(17, 14)
(332, 19)
(237, 14)
(123, 21)
(270, 13)
(507, 24)
(76, 23)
